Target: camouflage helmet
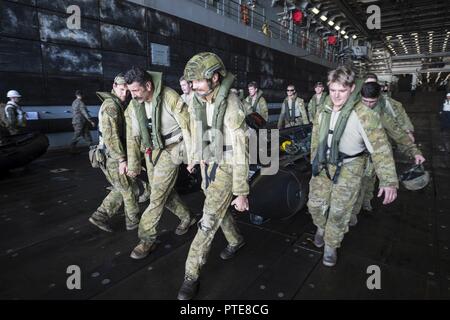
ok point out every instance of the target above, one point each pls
(415, 178)
(120, 79)
(203, 65)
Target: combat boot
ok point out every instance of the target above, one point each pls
(353, 220)
(100, 221)
(230, 251)
(329, 256)
(184, 226)
(188, 289)
(142, 250)
(318, 238)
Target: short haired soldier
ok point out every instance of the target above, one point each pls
(80, 121)
(293, 111)
(395, 109)
(112, 128)
(220, 114)
(186, 87)
(344, 132)
(317, 100)
(371, 98)
(158, 126)
(256, 102)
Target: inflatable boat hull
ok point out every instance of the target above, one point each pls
(21, 149)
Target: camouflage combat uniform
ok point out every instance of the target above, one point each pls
(292, 114)
(112, 139)
(331, 204)
(403, 141)
(164, 149)
(258, 104)
(80, 122)
(396, 110)
(226, 173)
(314, 107)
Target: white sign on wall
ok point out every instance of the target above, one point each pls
(160, 54)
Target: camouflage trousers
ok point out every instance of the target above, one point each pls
(367, 188)
(331, 204)
(81, 130)
(162, 178)
(219, 181)
(123, 191)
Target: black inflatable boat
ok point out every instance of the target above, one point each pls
(276, 196)
(20, 149)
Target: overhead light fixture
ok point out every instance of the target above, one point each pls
(346, 37)
(343, 32)
(315, 10)
(331, 23)
(337, 27)
(323, 18)
(354, 36)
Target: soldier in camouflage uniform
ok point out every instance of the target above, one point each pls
(370, 97)
(317, 100)
(158, 126)
(396, 110)
(293, 111)
(80, 121)
(255, 102)
(343, 134)
(112, 144)
(188, 93)
(224, 162)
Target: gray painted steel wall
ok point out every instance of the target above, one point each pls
(46, 61)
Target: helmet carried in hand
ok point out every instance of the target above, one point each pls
(415, 178)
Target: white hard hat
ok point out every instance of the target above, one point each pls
(13, 94)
